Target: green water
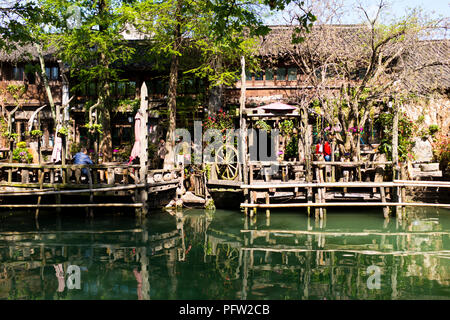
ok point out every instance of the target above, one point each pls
(223, 255)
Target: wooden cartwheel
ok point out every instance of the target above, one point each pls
(226, 163)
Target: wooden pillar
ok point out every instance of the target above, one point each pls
(383, 199)
(243, 132)
(143, 157)
(46, 134)
(395, 159)
(267, 202)
(41, 182)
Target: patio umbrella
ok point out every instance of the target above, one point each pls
(278, 107)
(137, 143)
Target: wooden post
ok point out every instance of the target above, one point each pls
(395, 159)
(333, 169)
(307, 131)
(243, 131)
(11, 148)
(143, 157)
(91, 194)
(63, 158)
(383, 199)
(41, 182)
(403, 176)
(267, 202)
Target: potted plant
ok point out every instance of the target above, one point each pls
(21, 153)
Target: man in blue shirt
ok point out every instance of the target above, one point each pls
(82, 158)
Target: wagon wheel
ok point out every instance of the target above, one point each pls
(226, 162)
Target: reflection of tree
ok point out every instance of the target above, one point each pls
(227, 262)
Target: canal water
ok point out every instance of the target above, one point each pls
(197, 254)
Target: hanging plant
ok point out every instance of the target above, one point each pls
(63, 131)
(286, 127)
(36, 133)
(98, 128)
(10, 135)
(262, 125)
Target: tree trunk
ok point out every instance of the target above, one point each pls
(169, 160)
(106, 143)
(45, 79)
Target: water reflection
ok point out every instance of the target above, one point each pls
(224, 255)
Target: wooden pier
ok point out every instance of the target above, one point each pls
(120, 184)
(288, 188)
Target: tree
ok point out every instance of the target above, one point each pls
(355, 70)
(26, 23)
(94, 50)
(219, 31)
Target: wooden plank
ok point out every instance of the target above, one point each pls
(344, 204)
(341, 185)
(71, 205)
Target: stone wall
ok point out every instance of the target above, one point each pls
(435, 111)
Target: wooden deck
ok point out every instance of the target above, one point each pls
(119, 183)
(288, 186)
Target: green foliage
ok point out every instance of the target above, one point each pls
(210, 205)
(75, 148)
(63, 131)
(10, 135)
(21, 153)
(405, 135)
(286, 127)
(433, 129)
(94, 128)
(221, 121)
(441, 149)
(36, 133)
(292, 148)
(124, 152)
(262, 125)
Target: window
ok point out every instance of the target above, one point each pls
(248, 75)
(269, 74)
(292, 74)
(281, 74)
(121, 89)
(17, 73)
(131, 88)
(259, 76)
(52, 73)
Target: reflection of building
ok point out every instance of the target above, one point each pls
(199, 256)
(107, 259)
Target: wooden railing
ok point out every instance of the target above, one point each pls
(71, 175)
(289, 171)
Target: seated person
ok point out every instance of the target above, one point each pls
(82, 158)
(327, 151)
